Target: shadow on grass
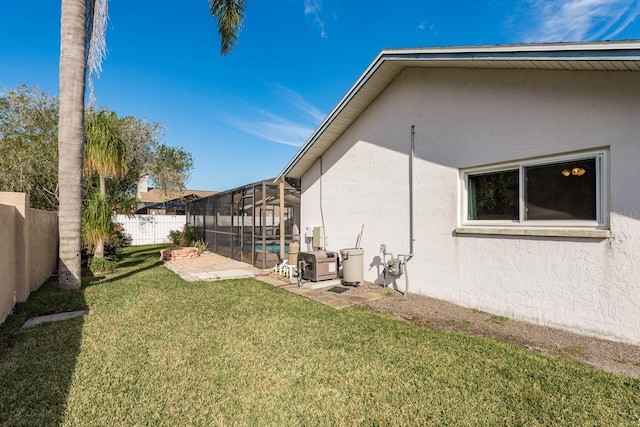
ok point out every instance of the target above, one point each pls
(101, 280)
(37, 364)
(138, 257)
(139, 254)
(131, 257)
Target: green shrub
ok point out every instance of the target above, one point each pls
(118, 239)
(201, 245)
(175, 236)
(102, 265)
(188, 236)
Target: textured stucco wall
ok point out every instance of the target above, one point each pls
(20, 249)
(466, 118)
(30, 239)
(43, 233)
(7, 263)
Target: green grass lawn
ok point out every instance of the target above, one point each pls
(161, 351)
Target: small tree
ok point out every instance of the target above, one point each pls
(97, 226)
(105, 155)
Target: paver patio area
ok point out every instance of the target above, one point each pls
(210, 266)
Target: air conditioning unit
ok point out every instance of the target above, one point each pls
(318, 265)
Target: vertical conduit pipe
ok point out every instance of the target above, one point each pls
(408, 257)
(413, 133)
(324, 231)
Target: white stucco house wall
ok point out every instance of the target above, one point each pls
(525, 179)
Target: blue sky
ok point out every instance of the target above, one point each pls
(245, 115)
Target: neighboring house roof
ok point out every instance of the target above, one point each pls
(157, 195)
(595, 56)
(173, 205)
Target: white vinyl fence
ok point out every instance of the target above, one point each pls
(150, 229)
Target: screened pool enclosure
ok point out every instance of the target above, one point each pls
(254, 223)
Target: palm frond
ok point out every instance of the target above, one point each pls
(97, 16)
(104, 151)
(97, 221)
(230, 15)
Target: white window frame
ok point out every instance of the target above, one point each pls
(602, 193)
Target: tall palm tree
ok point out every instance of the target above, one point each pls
(77, 27)
(73, 66)
(105, 155)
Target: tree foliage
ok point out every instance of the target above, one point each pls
(171, 167)
(29, 160)
(97, 221)
(29, 145)
(105, 151)
(104, 155)
(142, 138)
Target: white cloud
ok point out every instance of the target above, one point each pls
(313, 8)
(273, 128)
(421, 26)
(300, 122)
(579, 20)
(301, 105)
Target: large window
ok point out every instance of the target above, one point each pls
(556, 191)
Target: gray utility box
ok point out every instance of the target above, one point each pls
(318, 265)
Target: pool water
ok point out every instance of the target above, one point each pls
(271, 247)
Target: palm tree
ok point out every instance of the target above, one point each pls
(73, 66)
(105, 155)
(105, 152)
(77, 21)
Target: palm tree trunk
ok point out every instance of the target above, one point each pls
(98, 251)
(103, 185)
(73, 66)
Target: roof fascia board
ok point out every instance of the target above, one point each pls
(617, 55)
(542, 47)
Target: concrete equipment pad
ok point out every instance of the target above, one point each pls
(33, 321)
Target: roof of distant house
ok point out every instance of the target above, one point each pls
(157, 195)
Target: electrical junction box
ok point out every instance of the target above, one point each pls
(318, 265)
(318, 237)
